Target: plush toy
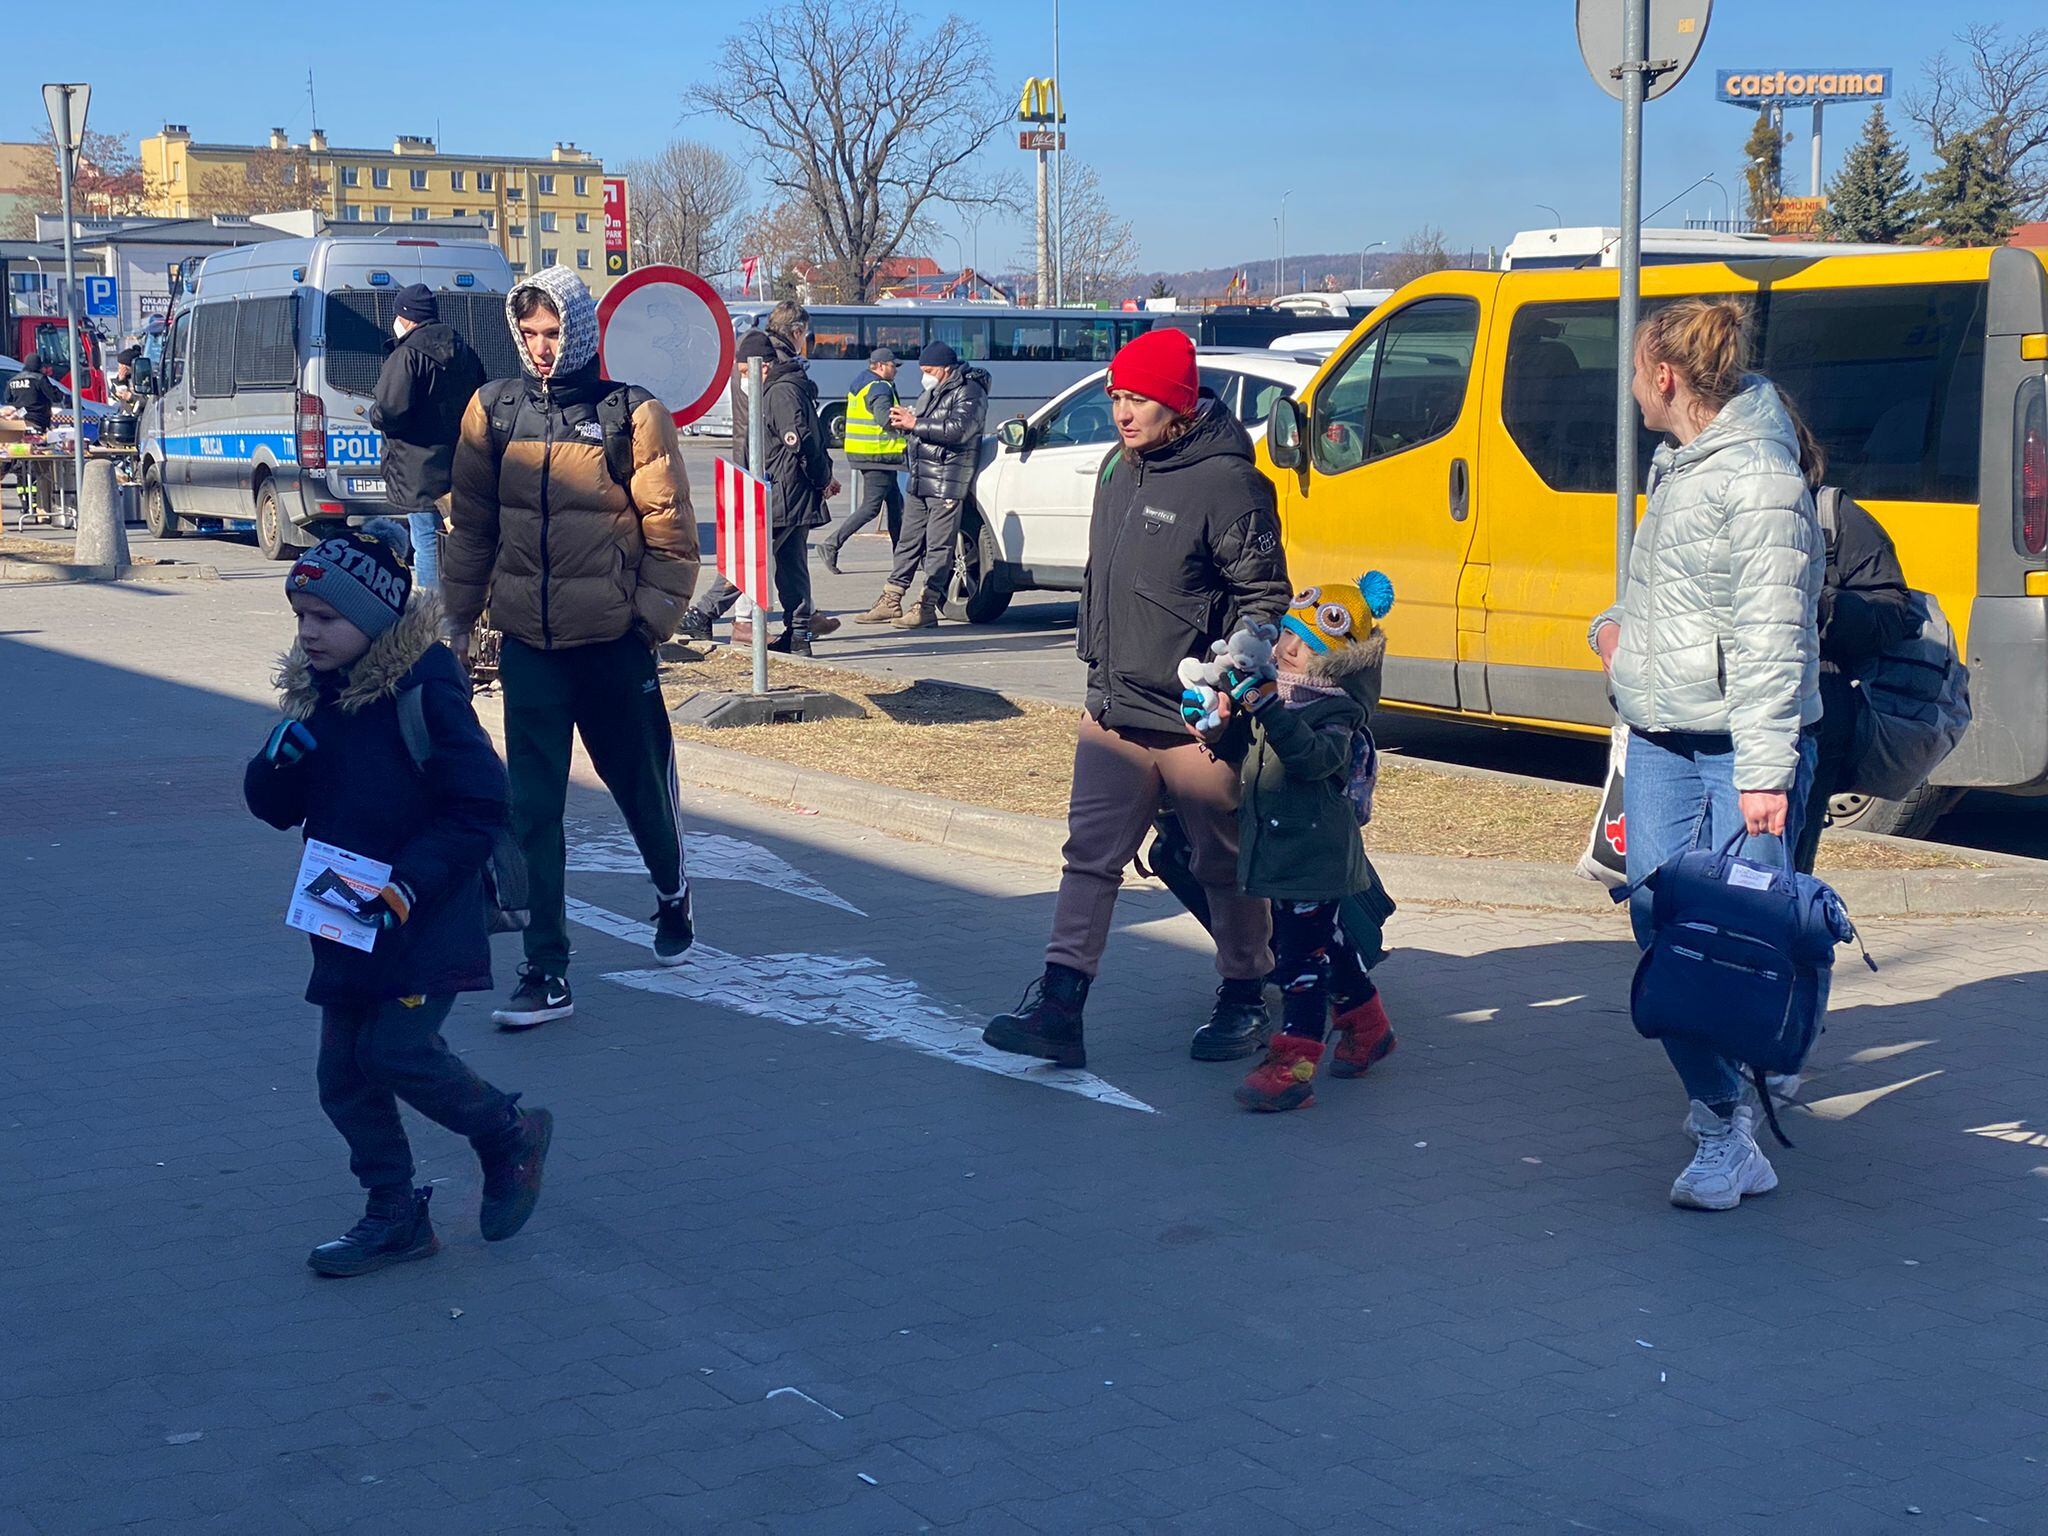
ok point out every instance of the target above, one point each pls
(1246, 654)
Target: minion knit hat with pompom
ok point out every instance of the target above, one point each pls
(1330, 617)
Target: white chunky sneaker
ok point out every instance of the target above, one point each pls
(1727, 1164)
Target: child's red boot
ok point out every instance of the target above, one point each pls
(1363, 1037)
(1286, 1079)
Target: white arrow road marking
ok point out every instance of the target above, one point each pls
(599, 850)
(849, 995)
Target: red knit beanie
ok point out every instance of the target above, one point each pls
(1160, 365)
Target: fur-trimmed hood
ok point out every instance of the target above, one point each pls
(1360, 669)
(378, 672)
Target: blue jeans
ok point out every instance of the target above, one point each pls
(1679, 793)
(426, 548)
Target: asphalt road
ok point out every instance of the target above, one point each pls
(1031, 652)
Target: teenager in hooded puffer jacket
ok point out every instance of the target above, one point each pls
(1714, 653)
(1183, 548)
(584, 576)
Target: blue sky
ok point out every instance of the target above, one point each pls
(1379, 115)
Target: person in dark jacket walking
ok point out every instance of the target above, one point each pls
(337, 767)
(425, 385)
(798, 464)
(945, 448)
(875, 450)
(571, 515)
(1865, 609)
(1183, 548)
(1298, 822)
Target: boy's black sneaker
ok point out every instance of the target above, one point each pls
(674, 930)
(393, 1230)
(538, 999)
(1238, 1025)
(512, 1165)
(695, 625)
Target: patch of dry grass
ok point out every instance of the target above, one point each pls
(1012, 754)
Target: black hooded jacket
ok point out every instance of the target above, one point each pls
(33, 394)
(422, 390)
(1183, 546)
(945, 444)
(1864, 611)
(797, 460)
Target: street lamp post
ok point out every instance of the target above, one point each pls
(1556, 218)
(67, 104)
(1280, 263)
(1361, 260)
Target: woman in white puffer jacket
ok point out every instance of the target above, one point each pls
(1715, 657)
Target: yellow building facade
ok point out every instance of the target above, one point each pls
(541, 212)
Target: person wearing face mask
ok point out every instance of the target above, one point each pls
(1183, 549)
(798, 466)
(945, 444)
(425, 385)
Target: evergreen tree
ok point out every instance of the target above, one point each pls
(1763, 170)
(1969, 198)
(1871, 199)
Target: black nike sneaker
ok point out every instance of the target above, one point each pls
(674, 930)
(538, 999)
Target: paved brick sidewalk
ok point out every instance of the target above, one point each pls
(777, 1261)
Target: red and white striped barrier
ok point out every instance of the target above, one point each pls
(743, 541)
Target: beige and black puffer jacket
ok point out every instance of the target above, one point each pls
(559, 550)
(1719, 621)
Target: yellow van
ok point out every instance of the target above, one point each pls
(1462, 440)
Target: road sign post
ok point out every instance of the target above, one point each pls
(67, 105)
(1657, 43)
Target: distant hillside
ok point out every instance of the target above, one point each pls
(1323, 269)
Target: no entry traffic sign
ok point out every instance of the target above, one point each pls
(667, 330)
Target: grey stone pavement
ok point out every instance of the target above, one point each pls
(802, 1267)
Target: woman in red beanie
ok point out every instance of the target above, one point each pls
(1183, 547)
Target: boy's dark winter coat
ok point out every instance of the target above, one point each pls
(358, 789)
(1297, 835)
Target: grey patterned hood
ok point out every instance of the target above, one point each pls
(572, 301)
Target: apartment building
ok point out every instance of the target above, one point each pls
(539, 211)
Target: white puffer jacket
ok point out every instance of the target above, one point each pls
(1718, 623)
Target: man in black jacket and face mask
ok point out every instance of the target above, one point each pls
(425, 385)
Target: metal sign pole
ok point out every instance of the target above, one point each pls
(1634, 34)
(757, 460)
(59, 99)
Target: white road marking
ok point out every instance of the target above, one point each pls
(598, 850)
(847, 994)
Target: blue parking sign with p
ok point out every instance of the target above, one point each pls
(102, 296)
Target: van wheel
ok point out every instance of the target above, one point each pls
(157, 516)
(1914, 816)
(270, 535)
(978, 593)
(835, 427)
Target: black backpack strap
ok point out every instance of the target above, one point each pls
(500, 401)
(615, 414)
(412, 725)
(1763, 1093)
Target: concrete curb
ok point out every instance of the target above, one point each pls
(2016, 888)
(45, 573)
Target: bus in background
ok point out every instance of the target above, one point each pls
(1031, 354)
(1598, 246)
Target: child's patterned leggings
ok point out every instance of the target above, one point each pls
(1314, 963)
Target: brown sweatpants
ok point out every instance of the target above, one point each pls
(1120, 776)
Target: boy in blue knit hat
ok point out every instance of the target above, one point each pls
(337, 766)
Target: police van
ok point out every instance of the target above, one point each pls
(259, 411)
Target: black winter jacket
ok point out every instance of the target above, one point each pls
(1863, 613)
(358, 789)
(945, 444)
(1183, 547)
(422, 391)
(35, 394)
(799, 464)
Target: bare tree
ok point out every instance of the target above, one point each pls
(784, 237)
(1098, 251)
(1422, 252)
(1999, 88)
(687, 205)
(269, 181)
(108, 181)
(862, 118)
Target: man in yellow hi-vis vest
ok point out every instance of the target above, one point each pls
(874, 450)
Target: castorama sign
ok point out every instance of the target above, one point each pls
(1800, 87)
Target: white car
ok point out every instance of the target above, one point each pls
(1027, 530)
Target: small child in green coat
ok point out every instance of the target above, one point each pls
(1305, 790)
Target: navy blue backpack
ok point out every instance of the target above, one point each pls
(1741, 957)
